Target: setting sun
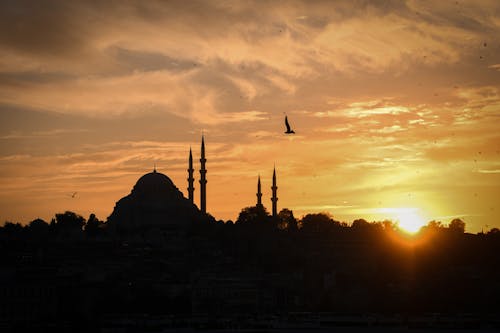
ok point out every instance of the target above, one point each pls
(408, 219)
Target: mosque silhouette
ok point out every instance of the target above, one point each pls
(156, 204)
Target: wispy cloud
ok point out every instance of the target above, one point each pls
(489, 171)
(41, 134)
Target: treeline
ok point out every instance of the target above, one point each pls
(324, 221)
(72, 224)
(63, 224)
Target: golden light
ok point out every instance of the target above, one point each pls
(408, 219)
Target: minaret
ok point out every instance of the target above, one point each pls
(259, 194)
(274, 198)
(190, 178)
(203, 179)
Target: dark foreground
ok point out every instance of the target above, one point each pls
(255, 275)
(308, 322)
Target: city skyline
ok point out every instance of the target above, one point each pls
(395, 106)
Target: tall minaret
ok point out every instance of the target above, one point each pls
(259, 194)
(190, 178)
(203, 179)
(274, 198)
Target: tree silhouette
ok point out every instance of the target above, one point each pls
(12, 229)
(318, 222)
(389, 225)
(457, 225)
(360, 224)
(253, 214)
(68, 223)
(286, 220)
(432, 227)
(39, 227)
(494, 231)
(93, 225)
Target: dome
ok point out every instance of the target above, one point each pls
(155, 203)
(154, 183)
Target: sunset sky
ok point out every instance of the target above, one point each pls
(396, 105)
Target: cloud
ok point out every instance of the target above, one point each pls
(113, 58)
(323, 207)
(247, 89)
(389, 129)
(293, 38)
(48, 29)
(489, 171)
(43, 134)
(143, 61)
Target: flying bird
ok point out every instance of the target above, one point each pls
(288, 129)
(73, 195)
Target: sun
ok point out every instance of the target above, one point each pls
(409, 220)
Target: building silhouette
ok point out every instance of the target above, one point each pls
(203, 178)
(159, 209)
(155, 211)
(274, 198)
(190, 178)
(203, 183)
(259, 194)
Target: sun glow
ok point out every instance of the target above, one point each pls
(408, 219)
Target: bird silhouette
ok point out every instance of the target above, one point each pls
(288, 129)
(73, 195)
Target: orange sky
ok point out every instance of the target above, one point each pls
(396, 105)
